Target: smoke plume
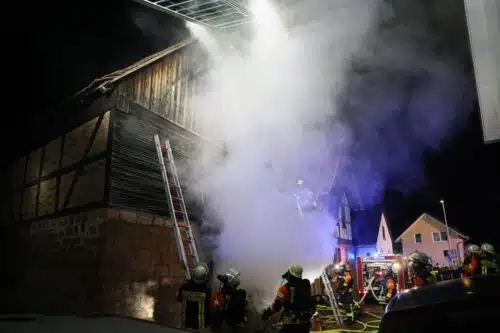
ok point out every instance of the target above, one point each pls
(321, 83)
(274, 107)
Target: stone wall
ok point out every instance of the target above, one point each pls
(103, 261)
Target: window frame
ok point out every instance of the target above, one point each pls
(415, 238)
(439, 236)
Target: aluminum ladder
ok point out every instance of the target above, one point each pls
(177, 207)
(331, 297)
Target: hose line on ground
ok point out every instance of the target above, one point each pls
(368, 327)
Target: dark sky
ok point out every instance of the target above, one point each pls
(68, 46)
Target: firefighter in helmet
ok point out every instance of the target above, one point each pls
(390, 286)
(345, 282)
(420, 265)
(295, 299)
(488, 260)
(233, 302)
(195, 297)
(472, 258)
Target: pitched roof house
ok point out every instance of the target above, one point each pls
(429, 235)
(371, 232)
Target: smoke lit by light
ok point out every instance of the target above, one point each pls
(294, 100)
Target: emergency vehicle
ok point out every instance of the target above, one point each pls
(369, 271)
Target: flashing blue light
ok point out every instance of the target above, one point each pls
(350, 256)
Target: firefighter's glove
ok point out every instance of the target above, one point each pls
(267, 314)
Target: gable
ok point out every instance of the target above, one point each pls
(383, 231)
(429, 224)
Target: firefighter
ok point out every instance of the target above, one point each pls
(488, 260)
(419, 269)
(345, 283)
(234, 302)
(390, 287)
(294, 297)
(472, 257)
(195, 297)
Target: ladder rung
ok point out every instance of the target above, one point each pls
(182, 225)
(179, 212)
(188, 239)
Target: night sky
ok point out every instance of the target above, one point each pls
(70, 46)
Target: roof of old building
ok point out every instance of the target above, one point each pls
(107, 81)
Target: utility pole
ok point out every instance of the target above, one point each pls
(447, 230)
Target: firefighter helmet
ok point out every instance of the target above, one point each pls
(200, 273)
(488, 248)
(296, 271)
(233, 278)
(342, 268)
(472, 249)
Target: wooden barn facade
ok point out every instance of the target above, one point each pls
(89, 206)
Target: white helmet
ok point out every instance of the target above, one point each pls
(233, 278)
(488, 248)
(200, 273)
(472, 249)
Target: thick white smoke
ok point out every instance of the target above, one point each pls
(270, 107)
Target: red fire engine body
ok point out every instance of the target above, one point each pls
(369, 268)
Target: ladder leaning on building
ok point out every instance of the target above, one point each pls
(177, 207)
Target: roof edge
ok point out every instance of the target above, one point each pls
(103, 83)
(399, 239)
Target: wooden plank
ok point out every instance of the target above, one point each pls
(47, 197)
(81, 169)
(64, 186)
(29, 202)
(51, 157)
(101, 139)
(76, 142)
(90, 185)
(33, 168)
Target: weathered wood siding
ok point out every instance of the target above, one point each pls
(135, 179)
(165, 87)
(67, 172)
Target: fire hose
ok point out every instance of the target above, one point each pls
(369, 287)
(367, 327)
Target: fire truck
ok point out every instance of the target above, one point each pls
(369, 274)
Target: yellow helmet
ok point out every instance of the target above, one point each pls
(296, 270)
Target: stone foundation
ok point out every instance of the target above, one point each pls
(103, 261)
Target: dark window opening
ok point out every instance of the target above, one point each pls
(418, 238)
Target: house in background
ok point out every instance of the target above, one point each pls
(428, 235)
(341, 204)
(372, 235)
